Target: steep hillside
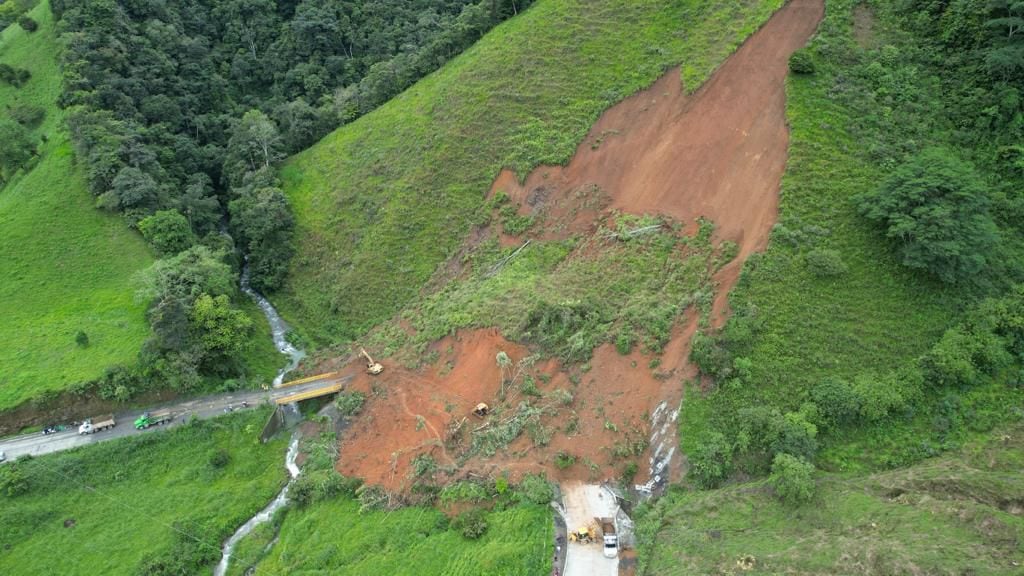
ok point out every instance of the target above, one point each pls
(67, 267)
(381, 202)
(831, 313)
(959, 514)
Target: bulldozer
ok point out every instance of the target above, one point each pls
(583, 535)
(481, 410)
(371, 366)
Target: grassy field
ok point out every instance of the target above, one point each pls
(959, 514)
(111, 507)
(67, 267)
(381, 202)
(334, 538)
(872, 318)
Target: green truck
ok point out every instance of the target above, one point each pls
(153, 419)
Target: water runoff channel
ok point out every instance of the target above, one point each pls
(278, 330)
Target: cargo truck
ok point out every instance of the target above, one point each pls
(97, 424)
(153, 419)
(611, 539)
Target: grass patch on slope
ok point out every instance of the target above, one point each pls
(381, 202)
(333, 537)
(568, 297)
(67, 267)
(959, 514)
(161, 495)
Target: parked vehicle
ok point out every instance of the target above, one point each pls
(611, 539)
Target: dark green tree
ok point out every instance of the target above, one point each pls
(168, 231)
(711, 460)
(937, 209)
(262, 221)
(793, 479)
(16, 147)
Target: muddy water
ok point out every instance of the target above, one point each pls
(278, 330)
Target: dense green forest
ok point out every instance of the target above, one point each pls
(179, 113)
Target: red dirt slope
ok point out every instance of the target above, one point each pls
(719, 154)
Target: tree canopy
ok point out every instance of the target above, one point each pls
(937, 208)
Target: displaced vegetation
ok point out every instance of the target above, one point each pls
(159, 503)
(380, 203)
(568, 297)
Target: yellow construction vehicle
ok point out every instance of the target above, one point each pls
(371, 366)
(583, 535)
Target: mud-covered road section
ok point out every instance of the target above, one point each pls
(718, 154)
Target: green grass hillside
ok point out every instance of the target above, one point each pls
(334, 538)
(863, 316)
(379, 203)
(164, 499)
(959, 514)
(67, 267)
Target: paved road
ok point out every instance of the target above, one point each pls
(37, 444)
(584, 502)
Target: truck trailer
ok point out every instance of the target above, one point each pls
(97, 424)
(153, 419)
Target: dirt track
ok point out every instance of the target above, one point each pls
(718, 153)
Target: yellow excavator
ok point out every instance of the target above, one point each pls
(371, 366)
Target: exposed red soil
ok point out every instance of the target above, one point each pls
(719, 154)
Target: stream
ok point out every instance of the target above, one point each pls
(278, 330)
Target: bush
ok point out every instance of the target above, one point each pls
(82, 339)
(13, 481)
(629, 472)
(837, 403)
(536, 489)
(317, 485)
(801, 62)
(16, 147)
(350, 403)
(14, 76)
(624, 342)
(28, 115)
(27, 23)
(220, 458)
(711, 460)
(423, 465)
(793, 479)
(793, 434)
(878, 397)
(825, 263)
(937, 209)
(564, 460)
(472, 523)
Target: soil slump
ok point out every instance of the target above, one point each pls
(719, 154)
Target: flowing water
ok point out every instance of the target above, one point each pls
(278, 329)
